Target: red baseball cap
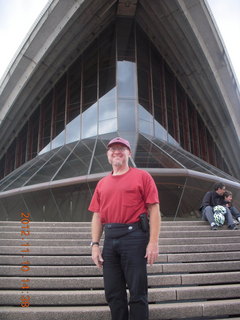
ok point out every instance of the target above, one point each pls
(120, 141)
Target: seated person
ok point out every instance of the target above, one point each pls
(212, 199)
(228, 200)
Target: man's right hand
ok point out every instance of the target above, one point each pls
(97, 256)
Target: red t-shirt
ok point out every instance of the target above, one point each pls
(122, 198)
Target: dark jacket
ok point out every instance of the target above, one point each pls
(212, 198)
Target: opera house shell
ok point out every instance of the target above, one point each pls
(155, 72)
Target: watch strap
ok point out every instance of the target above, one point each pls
(94, 243)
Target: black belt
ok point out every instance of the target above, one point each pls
(121, 225)
(118, 230)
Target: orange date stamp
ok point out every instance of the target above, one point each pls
(25, 264)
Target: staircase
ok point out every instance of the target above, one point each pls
(48, 274)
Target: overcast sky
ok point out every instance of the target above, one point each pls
(17, 17)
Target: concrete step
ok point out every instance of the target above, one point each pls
(85, 242)
(56, 260)
(63, 282)
(47, 235)
(87, 260)
(87, 234)
(225, 247)
(74, 271)
(96, 297)
(88, 224)
(170, 228)
(164, 311)
(82, 250)
(206, 256)
(211, 278)
(80, 282)
(201, 267)
(87, 270)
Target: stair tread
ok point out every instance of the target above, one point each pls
(167, 310)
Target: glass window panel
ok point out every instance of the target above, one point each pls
(14, 206)
(90, 96)
(21, 142)
(203, 140)
(9, 179)
(169, 100)
(107, 61)
(78, 162)
(107, 126)
(146, 127)
(90, 65)
(45, 120)
(144, 114)
(73, 201)
(170, 191)
(192, 162)
(74, 90)
(100, 161)
(192, 115)
(33, 134)
(236, 197)
(126, 115)
(19, 178)
(125, 39)
(107, 47)
(195, 190)
(50, 168)
(160, 132)
(177, 154)
(4, 213)
(46, 149)
(10, 158)
(42, 206)
(107, 80)
(211, 150)
(59, 106)
(107, 106)
(183, 119)
(144, 70)
(59, 140)
(89, 122)
(157, 83)
(126, 79)
(73, 130)
(2, 165)
(150, 156)
(171, 140)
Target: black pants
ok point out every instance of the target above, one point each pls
(124, 264)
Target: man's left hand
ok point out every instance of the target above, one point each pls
(152, 252)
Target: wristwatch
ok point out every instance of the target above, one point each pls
(94, 244)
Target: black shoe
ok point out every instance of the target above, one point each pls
(233, 227)
(214, 227)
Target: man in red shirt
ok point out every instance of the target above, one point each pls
(120, 202)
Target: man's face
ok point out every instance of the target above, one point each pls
(118, 155)
(220, 191)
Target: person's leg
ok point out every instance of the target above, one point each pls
(133, 250)
(114, 281)
(208, 216)
(229, 219)
(235, 213)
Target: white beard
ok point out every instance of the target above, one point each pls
(117, 163)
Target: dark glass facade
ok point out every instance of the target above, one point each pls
(120, 85)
